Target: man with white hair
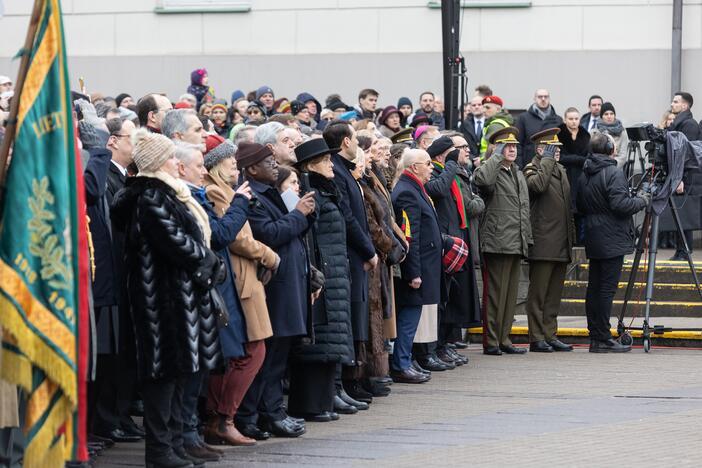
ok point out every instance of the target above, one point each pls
(184, 125)
(273, 135)
(188, 99)
(420, 281)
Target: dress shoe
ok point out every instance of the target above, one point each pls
(118, 435)
(680, 255)
(252, 431)
(445, 356)
(558, 345)
(384, 380)
(432, 364)
(169, 460)
(374, 388)
(212, 449)
(104, 441)
(320, 417)
(492, 351)
(415, 365)
(609, 346)
(457, 356)
(341, 407)
(511, 349)
(300, 421)
(408, 376)
(131, 428)
(460, 344)
(196, 461)
(360, 405)
(224, 432)
(356, 391)
(284, 428)
(334, 416)
(540, 347)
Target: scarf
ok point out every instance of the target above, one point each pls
(184, 196)
(615, 129)
(541, 113)
(457, 195)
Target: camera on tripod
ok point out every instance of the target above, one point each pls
(655, 139)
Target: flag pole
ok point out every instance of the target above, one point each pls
(11, 123)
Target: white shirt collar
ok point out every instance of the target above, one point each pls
(123, 170)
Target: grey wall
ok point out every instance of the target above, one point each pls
(637, 81)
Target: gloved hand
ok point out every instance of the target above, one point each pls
(499, 148)
(549, 152)
(91, 137)
(453, 156)
(89, 113)
(646, 197)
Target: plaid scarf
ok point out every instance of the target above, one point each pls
(457, 195)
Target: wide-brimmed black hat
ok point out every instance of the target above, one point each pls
(312, 149)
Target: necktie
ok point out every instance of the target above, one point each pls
(479, 128)
(593, 123)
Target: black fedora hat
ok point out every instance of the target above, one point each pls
(311, 149)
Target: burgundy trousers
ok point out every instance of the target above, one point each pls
(228, 389)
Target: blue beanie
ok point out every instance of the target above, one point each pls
(238, 94)
(404, 101)
(263, 90)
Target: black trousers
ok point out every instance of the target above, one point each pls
(603, 278)
(680, 245)
(163, 415)
(113, 387)
(312, 387)
(264, 398)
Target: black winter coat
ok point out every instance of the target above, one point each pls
(467, 128)
(287, 294)
(573, 156)
(439, 189)
(423, 259)
(529, 123)
(685, 123)
(360, 246)
(604, 201)
(169, 274)
(333, 338)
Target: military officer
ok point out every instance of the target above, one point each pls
(553, 233)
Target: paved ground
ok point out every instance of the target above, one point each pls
(564, 409)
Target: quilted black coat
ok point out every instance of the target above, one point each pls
(169, 273)
(333, 336)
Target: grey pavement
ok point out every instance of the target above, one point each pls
(562, 409)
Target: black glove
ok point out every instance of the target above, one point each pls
(453, 156)
(316, 279)
(549, 152)
(646, 197)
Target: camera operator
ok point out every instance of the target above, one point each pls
(603, 200)
(686, 124)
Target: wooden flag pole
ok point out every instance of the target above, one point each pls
(11, 124)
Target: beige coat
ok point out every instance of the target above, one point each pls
(8, 400)
(245, 254)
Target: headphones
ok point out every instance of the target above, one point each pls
(609, 146)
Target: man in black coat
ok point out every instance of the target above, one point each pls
(686, 124)
(540, 116)
(607, 208)
(105, 175)
(421, 272)
(287, 294)
(472, 126)
(341, 138)
(589, 119)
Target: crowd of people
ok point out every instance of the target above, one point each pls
(247, 249)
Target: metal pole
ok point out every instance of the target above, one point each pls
(676, 50)
(450, 24)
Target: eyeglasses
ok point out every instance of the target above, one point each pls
(119, 135)
(462, 147)
(542, 97)
(269, 162)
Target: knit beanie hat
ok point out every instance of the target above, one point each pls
(607, 106)
(219, 153)
(151, 150)
(196, 76)
(249, 154)
(336, 104)
(238, 94)
(404, 101)
(263, 90)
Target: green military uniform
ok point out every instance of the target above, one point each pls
(505, 236)
(553, 232)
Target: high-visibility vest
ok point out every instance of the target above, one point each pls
(483, 141)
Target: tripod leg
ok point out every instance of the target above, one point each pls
(681, 233)
(652, 252)
(640, 246)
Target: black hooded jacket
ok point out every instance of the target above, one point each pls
(604, 201)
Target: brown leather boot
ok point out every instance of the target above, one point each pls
(228, 434)
(210, 429)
